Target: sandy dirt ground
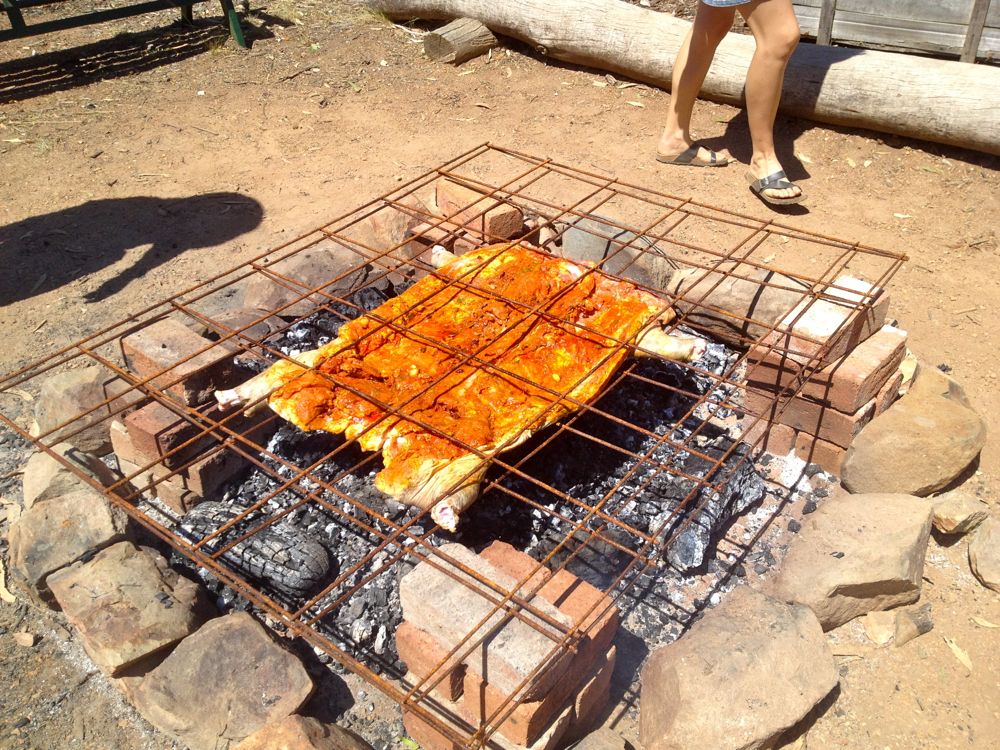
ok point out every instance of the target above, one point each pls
(133, 168)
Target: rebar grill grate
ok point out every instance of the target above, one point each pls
(645, 234)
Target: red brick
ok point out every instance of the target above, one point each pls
(421, 653)
(774, 438)
(846, 384)
(820, 452)
(569, 595)
(157, 433)
(516, 564)
(426, 735)
(816, 419)
(163, 345)
(530, 720)
(888, 394)
(170, 491)
(455, 607)
(477, 213)
(593, 697)
(576, 599)
(831, 323)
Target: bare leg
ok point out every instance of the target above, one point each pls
(690, 68)
(776, 32)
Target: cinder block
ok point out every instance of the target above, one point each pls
(832, 323)
(477, 213)
(846, 384)
(198, 366)
(421, 653)
(808, 416)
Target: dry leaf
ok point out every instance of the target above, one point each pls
(484, 105)
(600, 84)
(467, 72)
(636, 104)
(627, 85)
(903, 216)
(984, 623)
(803, 158)
(959, 653)
(866, 163)
(24, 639)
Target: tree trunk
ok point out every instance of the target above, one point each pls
(935, 100)
(459, 41)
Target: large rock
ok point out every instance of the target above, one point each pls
(302, 733)
(601, 739)
(45, 476)
(67, 395)
(857, 554)
(618, 251)
(222, 684)
(920, 444)
(58, 531)
(128, 604)
(745, 673)
(984, 554)
(958, 512)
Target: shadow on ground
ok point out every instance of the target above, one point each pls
(46, 252)
(121, 55)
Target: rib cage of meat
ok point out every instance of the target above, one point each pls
(468, 362)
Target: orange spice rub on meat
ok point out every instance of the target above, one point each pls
(468, 362)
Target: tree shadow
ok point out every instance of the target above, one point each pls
(122, 55)
(46, 252)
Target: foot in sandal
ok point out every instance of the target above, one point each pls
(690, 155)
(770, 183)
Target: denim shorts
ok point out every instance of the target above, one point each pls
(725, 3)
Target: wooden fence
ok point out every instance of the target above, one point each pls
(967, 29)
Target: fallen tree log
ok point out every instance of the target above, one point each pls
(935, 100)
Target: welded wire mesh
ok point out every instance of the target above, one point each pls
(289, 483)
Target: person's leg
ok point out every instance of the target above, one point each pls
(776, 31)
(690, 68)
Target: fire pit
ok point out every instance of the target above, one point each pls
(629, 483)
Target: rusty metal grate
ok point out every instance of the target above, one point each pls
(641, 224)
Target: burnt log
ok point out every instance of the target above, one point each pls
(275, 555)
(935, 100)
(458, 41)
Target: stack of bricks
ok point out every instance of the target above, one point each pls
(559, 704)
(857, 378)
(167, 448)
(471, 220)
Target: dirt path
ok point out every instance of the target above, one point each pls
(120, 190)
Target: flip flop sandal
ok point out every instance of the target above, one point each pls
(687, 158)
(777, 181)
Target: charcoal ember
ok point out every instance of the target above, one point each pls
(275, 555)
